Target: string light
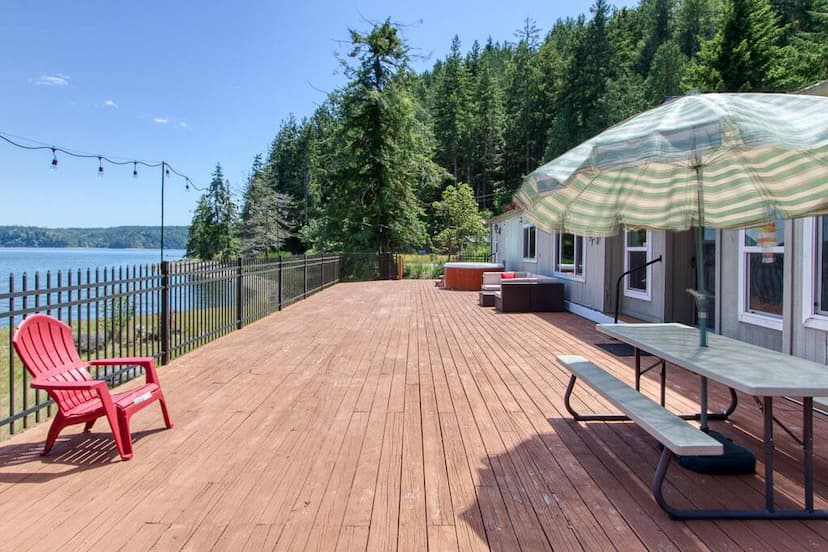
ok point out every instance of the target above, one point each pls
(168, 170)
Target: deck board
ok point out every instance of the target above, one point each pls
(391, 415)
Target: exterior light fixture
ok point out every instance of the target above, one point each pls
(134, 169)
(54, 161)
(100, 167)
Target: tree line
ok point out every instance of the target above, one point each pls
(397, 160)
(118, 237)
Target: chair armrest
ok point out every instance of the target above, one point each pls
(88, 385)
(147, 363)
(136, 361)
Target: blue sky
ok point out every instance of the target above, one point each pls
(191, 83)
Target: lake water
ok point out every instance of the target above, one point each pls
(17, 260)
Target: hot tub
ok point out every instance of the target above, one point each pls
(467, 276)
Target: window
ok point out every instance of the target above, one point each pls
(815, 273)
(761, 263)
(529, 234)
(569, 255)
(822, 266)
(637, 253)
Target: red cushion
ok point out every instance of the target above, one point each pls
(507, 275)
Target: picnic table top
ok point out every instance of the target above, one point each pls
(748, 368)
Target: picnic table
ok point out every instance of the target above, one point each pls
(749, 369)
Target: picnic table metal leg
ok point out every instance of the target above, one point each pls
(588, 417)
(703, 400)
(808, 450)
(768, 411)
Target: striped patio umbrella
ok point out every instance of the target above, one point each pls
(709, 160)
(714, 160)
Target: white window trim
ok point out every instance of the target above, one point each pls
(810, 317)
(556, 238)
(757, 319)
(523, 227)
(634, 293)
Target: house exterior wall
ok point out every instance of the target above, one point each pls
(587, 292)
(808, 334)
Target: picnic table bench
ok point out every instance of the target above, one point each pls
(676, 435)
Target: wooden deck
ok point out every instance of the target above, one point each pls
(383, 416)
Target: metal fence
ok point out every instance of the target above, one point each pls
(162, 310)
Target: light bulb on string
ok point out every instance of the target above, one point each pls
(187, 185)
(54, 165)
(100, 167)
(134, 169)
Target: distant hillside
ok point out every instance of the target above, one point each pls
(118, 237)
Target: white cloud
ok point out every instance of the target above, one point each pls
(160, 120)
(110, 103)
(58, 79)
(183, 124)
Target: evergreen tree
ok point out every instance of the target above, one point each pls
(451, 111)
(384, 153)
(743, 56)
(213, 228)
(666, 73)
(460, 220)
(523, 135)
(265, 218)
(486, 133)
(583, 111)
(287, 171)
(657, 15)
(695, 23)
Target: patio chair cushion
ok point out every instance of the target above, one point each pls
(507, 275)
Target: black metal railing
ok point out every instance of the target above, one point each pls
(162, 310)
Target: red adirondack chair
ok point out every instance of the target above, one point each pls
(47, 350)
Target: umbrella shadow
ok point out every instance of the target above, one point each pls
(587, 485)
(70, 455)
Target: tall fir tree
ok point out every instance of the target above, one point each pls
(213, 229)
(743, 56)
(265, 216)
(452, 111)
(384, 151)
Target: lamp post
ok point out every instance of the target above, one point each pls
(163, 174)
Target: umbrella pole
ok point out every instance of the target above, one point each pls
(701, 287)
(701, 303)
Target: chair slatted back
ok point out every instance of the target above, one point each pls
(47, 350)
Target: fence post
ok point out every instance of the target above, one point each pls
(305, 270)
(279, 293)
(239, 294)
(165, 312)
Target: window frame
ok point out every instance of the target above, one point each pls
(556, 258)
(635, 293)
(812, 316)
(758, 318)
(526, 230)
